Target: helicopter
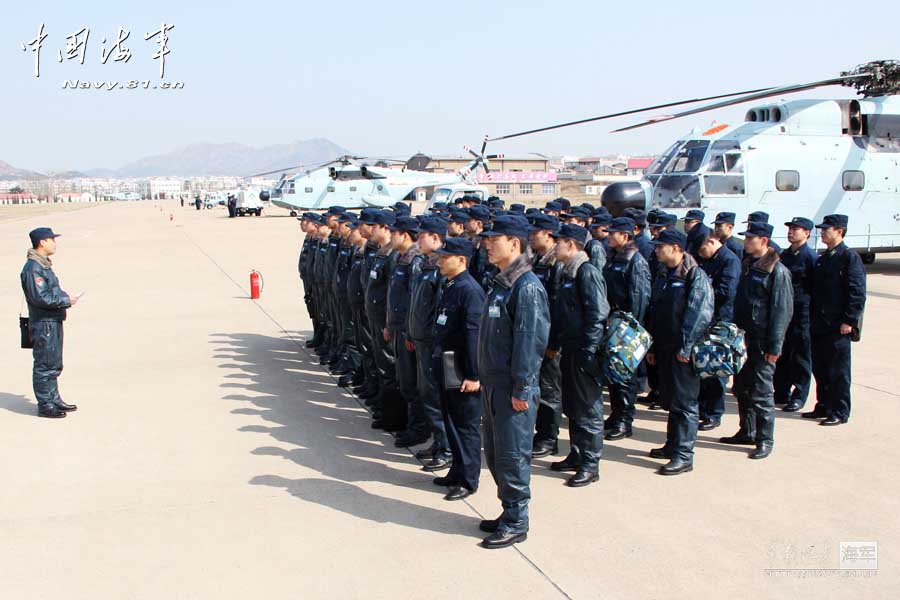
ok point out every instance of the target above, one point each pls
(788, 158)
(349, 182)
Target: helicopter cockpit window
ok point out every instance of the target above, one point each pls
(724, 171)
(787, 181)
(854, 181)
(659, 164)
(308, 190)
(289, 187)
(688, 158)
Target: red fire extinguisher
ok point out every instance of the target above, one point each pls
(256, 284)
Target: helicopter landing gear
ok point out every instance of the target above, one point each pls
(868, 258)
(293, 213)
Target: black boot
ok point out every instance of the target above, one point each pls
(50, 411)
(569, 463)
(746, 435)
(65, 407)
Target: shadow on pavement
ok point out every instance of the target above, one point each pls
(319, 427)
(17, 404)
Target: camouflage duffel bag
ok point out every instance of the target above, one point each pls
(624, 345)
(721, 353)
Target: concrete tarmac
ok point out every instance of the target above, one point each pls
(211, 457)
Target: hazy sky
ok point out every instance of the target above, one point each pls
(397, 77)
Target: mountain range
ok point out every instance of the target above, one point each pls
(208, 159)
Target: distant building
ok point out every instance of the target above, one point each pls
(75, 197)
(7, 198)
(159, 188)
(636, 167)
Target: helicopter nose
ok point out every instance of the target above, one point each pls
(264, 195)
(626, 194)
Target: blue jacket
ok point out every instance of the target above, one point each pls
(376, 290)
(724, 270)
(802, 265)
(579, 309)
(764, 302)
(627, 277)
(644, 245)
(682, 308)
(456, 325)
(46, 300)
(400, 289)
(425, 294)
(596, 251)
(735, 246)
(839, 291)
(514, 330)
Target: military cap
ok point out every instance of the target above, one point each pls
(758, 229)
(402, 208)
(511, 225)
(839, 221)
(600, 220)
(623, 224)
(544, 222)
(801, 222)
(532, 211)
(438, 206)
(725, 217)
(404, 223)
(664, 219)
(757, 217)
(471, 198)
(695, 215)
(346, 217)
(587, 205)
(517, 208)
(307, 216)
(433, 225)
(578, 213)
(572, 232)
(480, 213)
(601, 210)
(41, 233)
(459, 215)
(563, 202)
(457, 246)
(637, 215)
(553, 206)
(671, 237)
(380, 217)
(336, 210)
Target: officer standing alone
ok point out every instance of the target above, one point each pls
(47, 304)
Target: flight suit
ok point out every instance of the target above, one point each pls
(762, 308)
(389, 405)
(627, 277)
(794, 367)
(678, 317)
(724, 271)
(549, 413)
(398, 297)
(47, 305)
(579, 314)
(356, 296)
(838, 296)
(426, 290)
(456, 329)
(512, 340)
(343, 316)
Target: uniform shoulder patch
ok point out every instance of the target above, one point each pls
(38, 281)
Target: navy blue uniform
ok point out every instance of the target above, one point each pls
(724, 271)
(794, 367)
(735, 246)
(456, 329)
(644, 245)
(679, 316)
(763, 308)
(398, 296)
(695, 237)
(549, 414)
(47, 305)
(838, 297)
(579, 311)
(388, 404)
(627, 278)
(512, 339)
(427, 287)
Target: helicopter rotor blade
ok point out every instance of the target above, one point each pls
(275, 171)
(758, 95)
(624, 114)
